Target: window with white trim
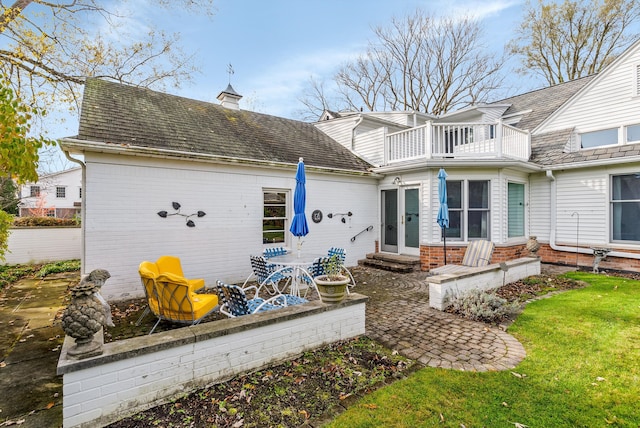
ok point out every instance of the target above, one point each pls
(34, 191)
(469, 209)
(274, 219)
(61, 192)
(633, 133)
(603, 137)
(625, 207)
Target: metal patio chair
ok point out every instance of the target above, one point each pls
(235, 302)
(268, 276)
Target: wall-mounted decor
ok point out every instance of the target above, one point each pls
(176, 206)
(343, 215)
(316, 216)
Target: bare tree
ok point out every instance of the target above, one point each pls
(421, 63)
(563, 42)
(49, 47)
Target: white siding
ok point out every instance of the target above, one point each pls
(582, 201)
(124, 195)
(608, 101)
(340, 130)
(370, 146)
(539, 210)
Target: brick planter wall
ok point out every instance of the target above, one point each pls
(135, 374)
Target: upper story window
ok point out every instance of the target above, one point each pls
(274, 220)
(34, 191)
(633, 133)
(61, 192)
(604, 137)
(80, 193)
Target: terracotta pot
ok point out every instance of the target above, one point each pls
(332, 291)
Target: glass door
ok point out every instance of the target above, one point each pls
(389, 221)
(411, 221)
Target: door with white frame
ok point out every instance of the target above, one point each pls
(401, 220)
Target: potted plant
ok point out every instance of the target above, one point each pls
(332, 284)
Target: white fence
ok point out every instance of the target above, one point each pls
(43, 244)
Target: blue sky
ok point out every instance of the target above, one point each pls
(276, 46)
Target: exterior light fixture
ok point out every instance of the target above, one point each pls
(176, 206)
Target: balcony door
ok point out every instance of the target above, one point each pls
(401, 220)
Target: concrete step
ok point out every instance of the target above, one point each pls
(392, 262)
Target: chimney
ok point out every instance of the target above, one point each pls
(229, 98)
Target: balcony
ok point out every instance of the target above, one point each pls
(458, 140)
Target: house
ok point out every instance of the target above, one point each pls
(144, 150)
(54, 195)
(560, 163)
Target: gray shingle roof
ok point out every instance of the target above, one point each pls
(542, 102)
(550, 148)
(126, 115)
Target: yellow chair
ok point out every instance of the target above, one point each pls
(148, 273)
(178, 303)
(172, 265)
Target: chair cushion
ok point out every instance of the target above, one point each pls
(478, 253)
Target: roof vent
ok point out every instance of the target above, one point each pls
(229, 98)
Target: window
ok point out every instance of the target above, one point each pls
(61, 192)
(515, 221)
(50, 212)
(80, 193)
(35, 191)
(625, 207)
(633, 133)
(274, 221)
(605, 137)
(478, 214)
(454, 202)
(475, 211)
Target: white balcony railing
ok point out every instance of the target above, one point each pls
(458, 140)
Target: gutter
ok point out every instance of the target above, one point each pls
(552, 232)
(83, 208)
(125, 149)
(353, 132)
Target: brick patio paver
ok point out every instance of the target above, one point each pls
(398, 315)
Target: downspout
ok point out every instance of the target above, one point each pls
(83, 209)
(353, 133)
(552, 232)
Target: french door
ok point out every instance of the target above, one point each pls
(401, 220)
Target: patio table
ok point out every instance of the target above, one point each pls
(298, 262)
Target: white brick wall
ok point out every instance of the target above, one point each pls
(38, 245)
(124, 194)
(135, 374)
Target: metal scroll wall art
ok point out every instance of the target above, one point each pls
(342, 215)
(176, 206)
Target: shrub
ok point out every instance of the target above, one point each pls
(44, 221)
(57, 267)
(478, 305)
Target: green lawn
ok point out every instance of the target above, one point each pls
(582, 370)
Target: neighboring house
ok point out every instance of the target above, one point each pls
(54, 195)
(561, 163)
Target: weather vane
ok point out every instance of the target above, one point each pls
(230, 71)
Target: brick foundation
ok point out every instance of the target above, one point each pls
(433, 256)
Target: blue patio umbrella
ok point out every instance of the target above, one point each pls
(443, 211)
(299, 226)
